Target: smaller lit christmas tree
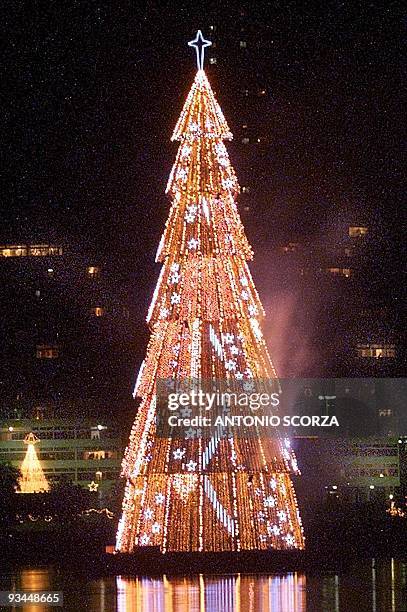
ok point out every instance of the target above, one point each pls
(32, 476)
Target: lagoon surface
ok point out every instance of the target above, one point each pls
(370, 585)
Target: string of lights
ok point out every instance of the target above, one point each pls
(205, 318)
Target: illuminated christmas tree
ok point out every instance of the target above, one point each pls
(221, 494)
(32, 476)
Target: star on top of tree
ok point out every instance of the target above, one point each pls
(200, 44)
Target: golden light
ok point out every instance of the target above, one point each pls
(32, 476)
(205, 320)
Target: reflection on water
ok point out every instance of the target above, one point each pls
(369, 586)
(207, 593)
(33, 579)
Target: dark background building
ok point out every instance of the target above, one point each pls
(66, 329)
(92, 92)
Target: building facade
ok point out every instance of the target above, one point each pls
(81, 451)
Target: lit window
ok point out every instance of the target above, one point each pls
(47, 351)
(34, 250)
(348, 252)
(212, 60)
(376, 351)
(93, 271)
(385, 412)
(357, 231)
(50, 272)
(262, 92)
(44, 250)
(340, 272)
(243, 44)
(39, 412)
(97, 311)
(13, 251)
(245, 189)
(291, 247)
(245, 140)
(244, 126)
(95, 455)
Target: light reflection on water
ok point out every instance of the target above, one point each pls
(208, 593)
(369, 586)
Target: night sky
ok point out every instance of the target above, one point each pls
(92, 90)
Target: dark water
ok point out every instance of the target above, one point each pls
(378, 586)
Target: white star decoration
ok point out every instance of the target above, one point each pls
(174, 278)
(178, 453)
(175, 298)
(270, 502)
(228, 338)
(186, 150)
(191, 465)
(273, 530)
(289, 538)
(155, 528)
(220, 148)
(148, 514)
(193, 244)
(159, 498)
